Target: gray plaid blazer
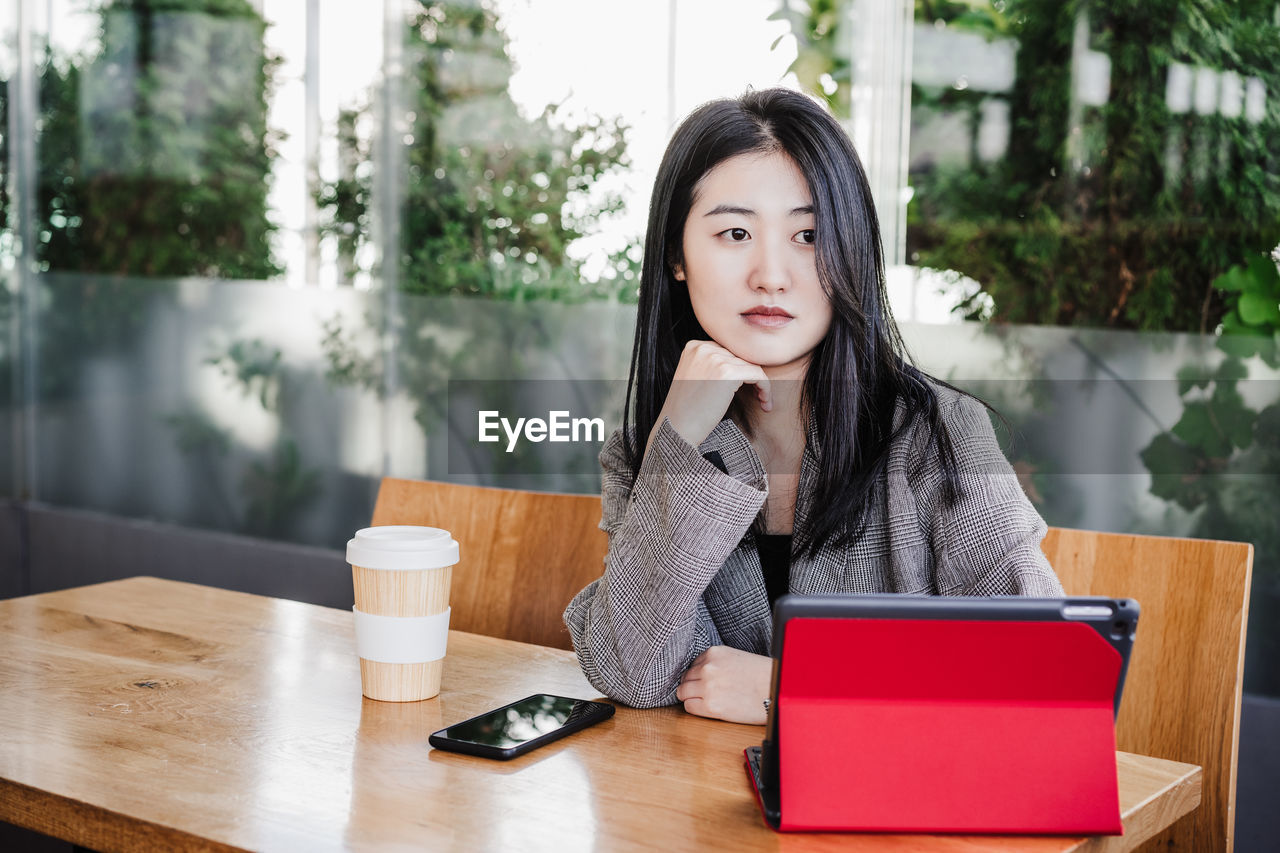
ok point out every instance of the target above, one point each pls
(683, 572)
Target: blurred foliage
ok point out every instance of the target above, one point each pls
(1253, 308)
(490, 199)
(277, 488)
(822, 55)
(154, 159)
(206, 447)
(255, 367)
(1124, 219)
(1218, 432)
(154, 152)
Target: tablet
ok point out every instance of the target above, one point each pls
(1114, 619)
(973, 685)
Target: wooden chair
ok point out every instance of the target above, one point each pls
(524, 554)
(1182, 694)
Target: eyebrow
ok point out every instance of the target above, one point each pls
(805, 210)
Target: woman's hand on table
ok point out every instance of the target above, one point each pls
(727, 684)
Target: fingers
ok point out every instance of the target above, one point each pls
(764, 391)
(709, 360)
(727, 684)
(692, 685)
(729, 367)
(692, 689)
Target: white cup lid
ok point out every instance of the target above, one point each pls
(402, 547)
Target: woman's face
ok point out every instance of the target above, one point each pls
(750, 265)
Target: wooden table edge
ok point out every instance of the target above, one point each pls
(1192, 778)
(1181, 798)
(94, 827)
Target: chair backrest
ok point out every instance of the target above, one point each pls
(524, 554)
(1182, 694)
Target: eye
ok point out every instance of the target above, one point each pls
(808, 236)
(736, 235)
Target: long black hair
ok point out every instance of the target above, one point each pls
(859, 372)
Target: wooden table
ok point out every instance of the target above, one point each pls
(146, 714)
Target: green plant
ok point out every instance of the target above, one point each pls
(485, 190)
(1251, 324)
(155, 153)
(1115, 215)
(154, 160)
(1219, 434)
(255, 366)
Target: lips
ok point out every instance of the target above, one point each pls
(767, 316)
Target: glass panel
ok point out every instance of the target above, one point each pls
(190, 402)
(203, 408)
(186, 143)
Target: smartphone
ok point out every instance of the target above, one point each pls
(521, 726)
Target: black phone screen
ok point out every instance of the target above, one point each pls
(535, 718)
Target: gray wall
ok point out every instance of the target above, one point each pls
(15, 567)
(43, 549)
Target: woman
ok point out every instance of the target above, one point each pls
(777, 438)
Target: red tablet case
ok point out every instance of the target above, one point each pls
(947, 726)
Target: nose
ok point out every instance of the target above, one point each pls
(769, 271)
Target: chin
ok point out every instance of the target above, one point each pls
(767, 354)
(770, 358)
(763, 356)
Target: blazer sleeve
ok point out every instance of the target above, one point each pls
(988, 543)
(639, 627)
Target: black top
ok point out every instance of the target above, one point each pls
(775, 563)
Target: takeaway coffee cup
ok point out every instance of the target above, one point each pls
(401, 575)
